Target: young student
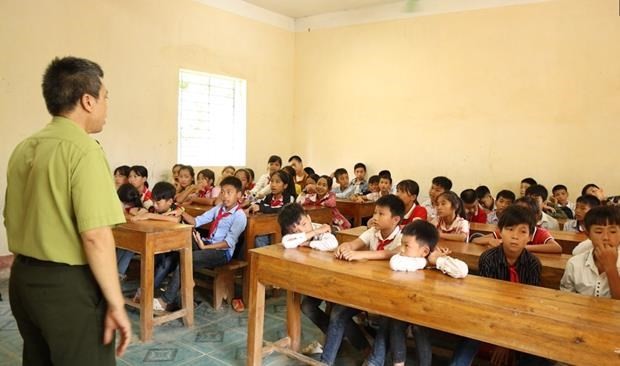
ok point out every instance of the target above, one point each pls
(326, 198)
(309, 170)
(539, 193)
(380, 242)
(525, 184)
(439, 185)
(560, 196)
(584, 204)
(473, 210)
(130, 198)
(373, 185)
(175, 174)
(418, 248)
(251, 182)
(310, 188)
(138, 176)
(509, 261)
(121, 175)
(227, 171)
(540, 241)
(282, 193)
(385, 188)
(291, 172)
(598, 192)
(187, 184)
(343, 190)
(207, 194)
(485, 199)
(262, 187)
(245, 177)
(408, 190)
(596, 272)
(299, 230)
(359, 182)
(503, 199)
(163, 209)
(450, 220)
(216, 248)
(300, 174)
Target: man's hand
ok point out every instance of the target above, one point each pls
(116, 319)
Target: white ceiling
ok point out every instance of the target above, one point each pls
(306, 8)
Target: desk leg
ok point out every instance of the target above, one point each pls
(187, 286)
(357, 217)
(147, 268)
(256, 318)
(293, 319)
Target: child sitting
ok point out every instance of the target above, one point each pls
(509, 261)
(473, 211)
(186, 185)
(310, 188)
(418, 243)
(130, 198)
(359, 182)
(245, 177)
(596, 272)
(121, 176)
(503, 199)
(584, 204)
(408, 190)
(216, 249)
(450, 219)
(300, 175)
(380, 242)
(539, 193)
(138, 176)
(326, 198)
(540, 241)
(207, 194)
(373, 185)
(262, 187)
(598, 192)
(525, 184)
(439, 185)
(559, 194)
(385, 188)
(485, 199)
(343, 190)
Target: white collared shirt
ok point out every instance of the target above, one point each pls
(548, 222)
(581, 276)
(323, 242)
(372, 236)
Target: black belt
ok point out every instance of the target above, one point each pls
(37, 262)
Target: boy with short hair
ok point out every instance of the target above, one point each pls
(584, 204)
(380, 242)
(525, 184)
(596, 272)
(540, 193)
(299, 230)
(373, 185)
(485, 198)
(439, 185)
(300, 174)
(385, 188)
(540, 241)
(164, 208)
(359, 182)
(509, 261)
(216, 249)
(262, 187)
(343, 189)
(560, 196)
(503, 199)
(473, 210)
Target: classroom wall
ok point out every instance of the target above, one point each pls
(484, 97)
(141, 44)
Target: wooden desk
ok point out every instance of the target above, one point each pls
(571, 328)
(552, 264)
(196, 210)
(149, 238)
(568, 240)
(355, 210)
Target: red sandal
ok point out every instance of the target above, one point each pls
(237, 305)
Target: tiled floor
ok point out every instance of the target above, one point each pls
(218, 337)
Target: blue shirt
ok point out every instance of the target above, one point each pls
(346, 193)
(228, 229)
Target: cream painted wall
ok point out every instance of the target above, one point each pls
(141, 45)
(484, 97)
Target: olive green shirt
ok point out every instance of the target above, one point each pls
(58, 185)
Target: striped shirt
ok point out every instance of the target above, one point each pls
(493, 264)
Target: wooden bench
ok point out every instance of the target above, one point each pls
(568, 240)
(223, 284)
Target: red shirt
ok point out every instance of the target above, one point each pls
(540, 236)
(416, 211)
(480, 216)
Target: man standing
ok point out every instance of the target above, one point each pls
(60, 206)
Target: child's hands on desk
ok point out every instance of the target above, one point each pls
(342, 248)
(351, 255)
(438, 252)
(253, 208)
